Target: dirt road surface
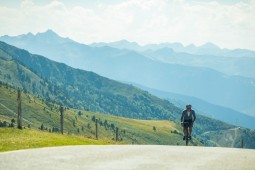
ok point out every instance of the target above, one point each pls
(128, 157)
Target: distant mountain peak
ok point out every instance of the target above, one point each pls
(210, 45)
(29, 34)
(125, 42)
(51, 36)
(49, 32)
(191, 46)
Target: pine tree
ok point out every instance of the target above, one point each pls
(42, 127)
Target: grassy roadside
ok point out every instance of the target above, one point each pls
(80, 123)
(15, 139)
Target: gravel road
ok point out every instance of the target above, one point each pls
(127, 157)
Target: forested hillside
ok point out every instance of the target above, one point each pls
(45, 116)
(79, 89)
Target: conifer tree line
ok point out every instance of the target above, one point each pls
(8, 124)
(54, 107)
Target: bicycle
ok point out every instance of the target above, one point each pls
(186, 129)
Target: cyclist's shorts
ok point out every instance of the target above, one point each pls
(188, 123)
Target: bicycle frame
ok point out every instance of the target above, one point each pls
(186, 128)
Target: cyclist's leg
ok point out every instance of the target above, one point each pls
(190, 129)
(184, 131)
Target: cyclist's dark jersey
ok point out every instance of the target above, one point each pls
(188, 117)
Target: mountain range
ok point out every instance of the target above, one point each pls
(205, 49)
(214, 111)
(230, 65)
(145, 67)
(78, 88)
(57, 83)
(238, 62)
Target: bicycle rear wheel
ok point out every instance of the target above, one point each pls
(187, 136)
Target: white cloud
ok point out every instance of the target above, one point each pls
(145, 21)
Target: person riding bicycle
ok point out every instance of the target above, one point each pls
(188, 117)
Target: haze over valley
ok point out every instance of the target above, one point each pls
(120, 73)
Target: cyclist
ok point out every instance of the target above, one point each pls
(188, 116)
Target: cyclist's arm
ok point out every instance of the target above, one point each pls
(182, 117)
(194, 115)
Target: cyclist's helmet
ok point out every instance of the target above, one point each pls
(188, 106)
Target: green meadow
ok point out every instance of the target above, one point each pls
(41, 118)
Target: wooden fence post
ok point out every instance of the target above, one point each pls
(242, 143)
(62, 120)
(96, 129)
(19, 122)
(117, 133)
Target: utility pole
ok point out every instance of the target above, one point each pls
(19, 122)
(96, 129)
(61, 119)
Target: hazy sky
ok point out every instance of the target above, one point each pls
(227, 23)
